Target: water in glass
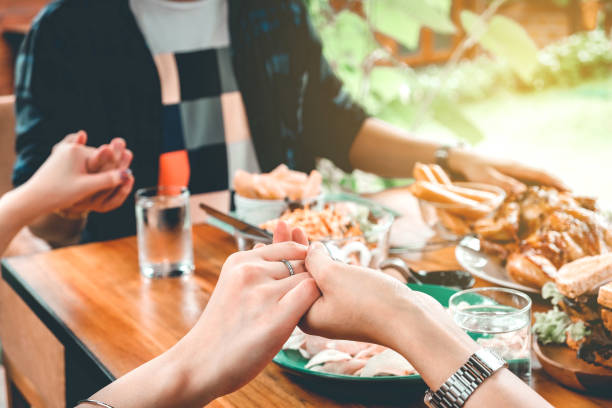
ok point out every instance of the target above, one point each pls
(498, 319)
(164, 233)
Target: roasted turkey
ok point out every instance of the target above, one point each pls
(542, 229)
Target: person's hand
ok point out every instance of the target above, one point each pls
(356, 302)
(367, 305)
(507, 174)
(64, 180)
(252, 312)
(112, 157)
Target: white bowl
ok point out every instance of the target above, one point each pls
(256, 211)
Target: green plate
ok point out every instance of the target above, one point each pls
(293, 361)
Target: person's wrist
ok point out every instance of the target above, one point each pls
(423, 336)
(195, 372)
(393, 303)
(30, 204)
(457, 158)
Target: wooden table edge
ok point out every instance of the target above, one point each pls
(75, 348)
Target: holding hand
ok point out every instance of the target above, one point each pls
(252, 312)
(104, 159)
(64, 181)
(356, 301)
(363, 304)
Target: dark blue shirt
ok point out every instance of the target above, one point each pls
(85, 65)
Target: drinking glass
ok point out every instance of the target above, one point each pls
(498, 319)
(163, 227)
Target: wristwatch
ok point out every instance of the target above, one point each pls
(441, 155)
(458, 388)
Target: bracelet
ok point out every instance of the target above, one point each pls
(94, 402)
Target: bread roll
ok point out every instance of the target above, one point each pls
(422, 172)
(605, 296)
(439, 194)
(584, 275)
(440, 174)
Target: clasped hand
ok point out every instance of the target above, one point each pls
(77, 178)
(257, 304)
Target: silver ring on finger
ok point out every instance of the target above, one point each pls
(289, 266)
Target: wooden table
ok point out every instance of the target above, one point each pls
(73, 319)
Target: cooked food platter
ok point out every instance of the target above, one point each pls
(519, 240)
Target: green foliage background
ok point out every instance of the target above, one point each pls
(406, 97)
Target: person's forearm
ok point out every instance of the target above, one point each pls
(17, 209)
(437, 348)
(169, 380)
(57, 230)
(389, 151)
(424, 337)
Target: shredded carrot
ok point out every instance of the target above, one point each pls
(333, 222)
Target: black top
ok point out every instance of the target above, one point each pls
(85, 65)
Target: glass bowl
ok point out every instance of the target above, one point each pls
(450, 221)
(369, 248)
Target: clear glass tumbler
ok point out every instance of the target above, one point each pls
(498, 319)
(163, 226)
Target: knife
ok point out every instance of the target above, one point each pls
(242, 227)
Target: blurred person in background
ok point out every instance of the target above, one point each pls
(199, 89)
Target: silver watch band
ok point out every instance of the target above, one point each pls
(458, 388)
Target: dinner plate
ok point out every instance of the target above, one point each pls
(485, 267)
(293, 361)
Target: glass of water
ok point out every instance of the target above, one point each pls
(498, 319)
(164, 232)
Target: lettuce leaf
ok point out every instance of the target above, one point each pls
(578, 330)
(550, 327)
(550, 291)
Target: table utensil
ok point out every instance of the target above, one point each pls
(498, 319)
(246, 229)
(163, 227)
(484, 266)
(457, 279)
